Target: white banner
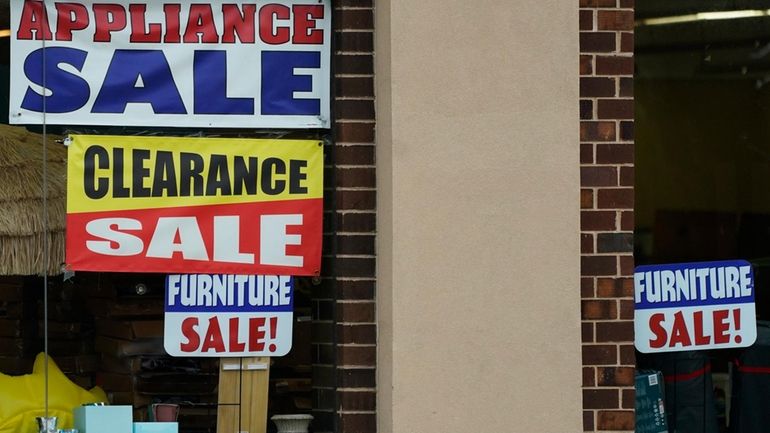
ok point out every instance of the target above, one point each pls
(179, 64)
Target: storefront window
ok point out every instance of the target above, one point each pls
(106, 329)
(702, 90)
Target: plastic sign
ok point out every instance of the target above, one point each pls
(228, 315)
(197, 205)
(694, 306)
(219, 63)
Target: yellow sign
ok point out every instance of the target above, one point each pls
(107, 173)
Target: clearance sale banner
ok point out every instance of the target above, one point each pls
(694, 306)
(182, 63)
(194, 205)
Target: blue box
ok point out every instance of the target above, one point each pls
(104, 419)
(156, 427)
(650, 403)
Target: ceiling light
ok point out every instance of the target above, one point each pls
(704, 16)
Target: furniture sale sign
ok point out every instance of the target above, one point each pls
(219, 63)
(194, 205)
(228, 315)
(694, 306)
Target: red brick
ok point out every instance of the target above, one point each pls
(598, 309)
(360, 312)
(615, 376)
(615, 420)
(353, 3)
(597, 220)
(353, 19)
(615, 109)
(357, 355)
(626, 176)
(355, 289)
(358, 401)
(626, 87)
(597, 42)
(614, 153)
(586, 109)
(616, 198)
(627, 220)
(356, 199)
(597, 131)
(349, 244)
(586, 153)
(597, 3)
(588, 420)
(587, 287)
(615, 20)
(591, 87)
(615, 243)
(628, 399)
(354, 132)
(627, 309)
(358, 422)
(627, 354)
(354, 87)
(586, 19)
(627, 4)
(598, 265)
(614, 287)
(586, 64)
(627, 42)
(586, 243)
(354, 155)
(600, 354)
(627, 131)
(586, 199)
(614, 65)
(355, 177)
(356, 377)
(598, 176)
(354, 267)
(362, 222)
(601, 399)
(621, 332)
(626, 265)
(587, 336)
(357, 334)
(354, 42)
(606, 287)
(362, 64)
(354, 109)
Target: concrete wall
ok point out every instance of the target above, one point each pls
(478, 216)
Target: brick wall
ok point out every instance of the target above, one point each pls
(344, 324)
(607, 219)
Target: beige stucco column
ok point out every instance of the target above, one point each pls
(478, 216)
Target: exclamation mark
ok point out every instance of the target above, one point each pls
(273, 329)
(737, 322)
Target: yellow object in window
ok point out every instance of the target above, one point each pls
(22, 398)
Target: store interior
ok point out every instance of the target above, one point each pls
(702, 179)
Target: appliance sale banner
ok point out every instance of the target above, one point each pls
(228, 315)
(185, 63)
(194, 205)
(694, 306)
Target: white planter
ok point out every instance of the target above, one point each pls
(292, 423)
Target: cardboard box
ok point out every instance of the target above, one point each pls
(650, 403)
(156, 427)
(104, 419)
